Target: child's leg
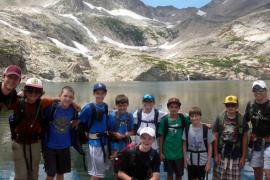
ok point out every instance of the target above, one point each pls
(63, 161)
(60, 177)
(258, 173)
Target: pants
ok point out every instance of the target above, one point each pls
(26, 160)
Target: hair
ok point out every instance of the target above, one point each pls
(68, 88)
(195, 111)
(121, 99)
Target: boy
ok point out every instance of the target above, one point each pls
(8, 94)
(141, 162)
(258, 113)
(120, 125)
(60, 116)
(148, 116)
(26, 130)
(171, 131)
(94, 117)
(230, 143)
(197, 146)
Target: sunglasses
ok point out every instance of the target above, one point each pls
(230, 105)
(33, 91)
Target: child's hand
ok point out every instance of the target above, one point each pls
(119, 136)
(208, 166)
(185, 163)
(76, 106)
(161, 156)
(216, 159)
(75, 123)
(242, 162)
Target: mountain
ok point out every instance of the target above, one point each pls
(102, 40)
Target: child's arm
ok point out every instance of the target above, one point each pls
(161, 155)
(209, 157)
(155, 176)
(244, 149)
(122, 175)
(216, 147)
(185, 153)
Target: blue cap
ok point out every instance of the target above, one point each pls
(148, 97)
(99, 86)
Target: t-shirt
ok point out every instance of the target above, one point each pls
(173, 144)
(149, 117)
(9, 99)
(259, 115)
(99, 125)
(196, 143)
(58, 133)
(140, 166)
(124, 123)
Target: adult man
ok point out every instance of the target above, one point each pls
(8, 94)
(258, 112)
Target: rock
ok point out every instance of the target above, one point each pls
(80, 78)
(47, 74)
(64, 75)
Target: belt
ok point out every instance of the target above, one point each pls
(95, 135)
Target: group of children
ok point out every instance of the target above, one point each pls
(179, 140)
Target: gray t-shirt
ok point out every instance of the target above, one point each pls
(196, 143)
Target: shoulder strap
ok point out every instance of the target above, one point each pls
(186, 133)
(93, 117)
(156, 116)
(139, 118)
(205, 136)
(53, 109)
(183, 120)
(165, 127)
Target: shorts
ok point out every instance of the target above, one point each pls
(196, 172)
(174, 166)
(95, 161)
(227, 169)
(260, 158)
(57, 161)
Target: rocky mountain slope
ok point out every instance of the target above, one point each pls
(102, 40)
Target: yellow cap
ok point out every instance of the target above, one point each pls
(231, 99)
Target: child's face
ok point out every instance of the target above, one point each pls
(32, 94)
(173, 108)
(122, 107)
(10, 82)
(195, 118)
(148, 105)
(146, 141)
(99, 95)
(66, 98)
(231, 108)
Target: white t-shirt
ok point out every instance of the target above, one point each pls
(196, 143)
(148, 117)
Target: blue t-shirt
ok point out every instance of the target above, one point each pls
(124, 124)
(58, 134)
(99, 125)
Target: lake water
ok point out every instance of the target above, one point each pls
(209, 95)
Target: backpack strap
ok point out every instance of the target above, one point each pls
(139, 120)
(205, 136)
(166, 124)
(156, 117)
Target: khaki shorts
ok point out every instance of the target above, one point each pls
(22, 160)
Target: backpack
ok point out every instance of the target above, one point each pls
(166, 124)
(17, 117)
(139, 117)
(132, 149)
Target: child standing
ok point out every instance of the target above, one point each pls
(60, 116)
(171, 147)
(197, 146)
(230, 144)
(147, 116)
(121, 125)
(94, 117)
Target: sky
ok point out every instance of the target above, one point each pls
(177, 3)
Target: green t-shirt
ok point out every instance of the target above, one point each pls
(173, 144)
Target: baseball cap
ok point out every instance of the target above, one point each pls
(231, 100)
(148, 130)
(173, 100)
(13, 69)
(99, 86)
(148, 97)
(259, 84)
(34, 82)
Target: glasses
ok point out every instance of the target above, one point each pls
(33, 91)
(230, 105)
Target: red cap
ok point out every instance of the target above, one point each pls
(13, 69)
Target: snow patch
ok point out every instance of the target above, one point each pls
(201, 13)
(121, 45)
(258, 37)
(224, 2)
(51, 3)
(15, 28)
(167, 46)
(90, 34)
(80, 49)
(173, 15)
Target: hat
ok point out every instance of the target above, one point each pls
(173, 100)
(259, 84)
(34, 82)
(148, 97)
(231, 100)
(99, 86)
(148, 130)
(13, 69)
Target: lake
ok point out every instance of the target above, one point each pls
(209, 95)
